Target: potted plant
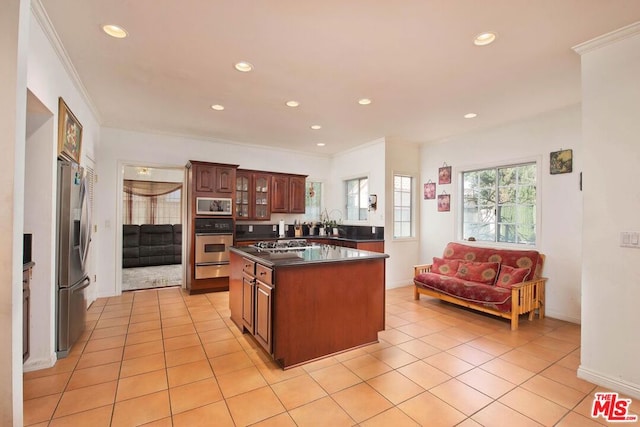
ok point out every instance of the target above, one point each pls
(331, 227)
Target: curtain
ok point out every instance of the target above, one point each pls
(149, 190)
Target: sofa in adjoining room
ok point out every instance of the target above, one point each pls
(151, 244)
(502, 282)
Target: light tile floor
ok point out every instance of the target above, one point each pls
(165, 358)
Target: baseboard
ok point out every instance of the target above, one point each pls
(614, 384)
(399, 283)
(561, 316)
(37, 364)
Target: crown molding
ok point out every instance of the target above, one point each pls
(47, 27)
(607, 39)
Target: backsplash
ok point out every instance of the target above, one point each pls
(270, 231)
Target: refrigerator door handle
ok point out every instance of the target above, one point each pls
(85, 223)
(85, 283)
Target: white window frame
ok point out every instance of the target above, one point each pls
(344, 199)
(458, 184)
(414, 215)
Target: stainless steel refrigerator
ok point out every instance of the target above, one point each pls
(74, 235)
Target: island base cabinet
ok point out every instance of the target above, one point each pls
(263, 315)
(248, 297)
(304, 312)
(236, 286)
(324, 309)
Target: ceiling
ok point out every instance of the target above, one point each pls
(414, 58)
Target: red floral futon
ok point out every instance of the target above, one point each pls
(502, 282)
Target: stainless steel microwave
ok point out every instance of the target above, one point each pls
(213, 206)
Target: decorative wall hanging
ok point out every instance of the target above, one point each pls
(69, 133)
(444, 202)
(561, 161)
(430, 190)
(444, 174)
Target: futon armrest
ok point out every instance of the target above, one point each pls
(529, 283)
(421, 268)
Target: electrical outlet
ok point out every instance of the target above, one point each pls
(251, 229)
(275, 227)
(373, 230)
(630, 239)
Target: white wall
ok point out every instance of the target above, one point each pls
(401, 158)
(120, 147)
(48, 78)
(611, 277)
(561, 199)
(41, 224)
(366, 160)
(13, 103)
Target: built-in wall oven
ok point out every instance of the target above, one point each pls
(213, 237)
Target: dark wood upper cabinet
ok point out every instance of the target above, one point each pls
(253, 195)
(213, 178)
(287, 193)
(280, 194)
(297, 194)
(243, 195)
(225, 179)
(261, 196)
(205, 178)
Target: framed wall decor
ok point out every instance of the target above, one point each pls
(444, 174)
(69, 133)
(430, 190)
(561, 162)
(444, 202)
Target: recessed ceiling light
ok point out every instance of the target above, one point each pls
(114, 31)
(484, 39)
(217, 107)
(316, 127)
(321, 144)
(364, 101)
(292, 103)
(470, 115)
(243, 66)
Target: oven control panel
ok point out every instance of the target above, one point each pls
(214, 225)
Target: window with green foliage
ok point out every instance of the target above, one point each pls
(357, 199)
(499, 204)
(402, 206)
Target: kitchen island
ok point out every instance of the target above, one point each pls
(304, 304)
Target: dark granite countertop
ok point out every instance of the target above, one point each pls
(315, 255)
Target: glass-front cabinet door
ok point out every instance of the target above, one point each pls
(262, 208)
(242, 195)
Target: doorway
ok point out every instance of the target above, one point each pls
(152, 218)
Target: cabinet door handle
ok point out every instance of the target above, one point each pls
(262, 273)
